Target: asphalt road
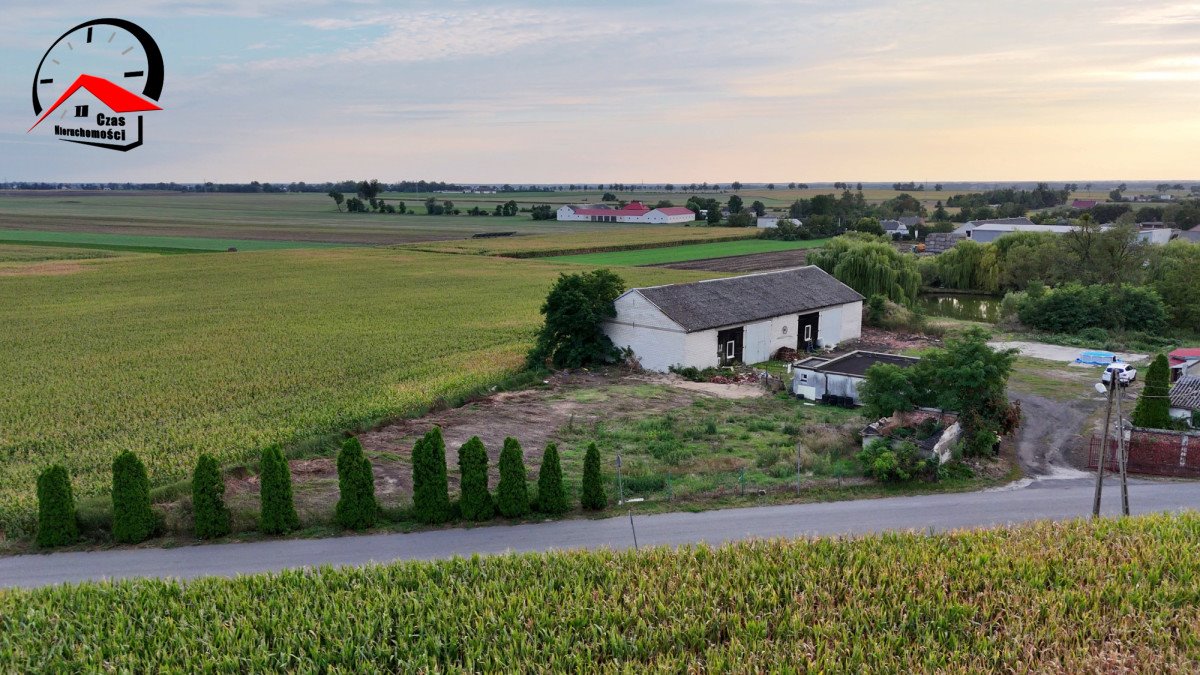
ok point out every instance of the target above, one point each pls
(1055, 498)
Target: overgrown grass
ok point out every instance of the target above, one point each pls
(1081, 596)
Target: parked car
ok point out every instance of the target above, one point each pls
(1125, 373)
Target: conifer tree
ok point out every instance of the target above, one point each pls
(592, 495)
(208, 503)
(133, 521)
(475, 501)
(431, 491)
(551, 496)
(57, 521)
(278, 510)
(512, 494)
(356, 507)
(1153, 409)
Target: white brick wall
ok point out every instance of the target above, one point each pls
(657, 342)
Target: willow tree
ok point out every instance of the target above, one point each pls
(969, 266)
(870, 266)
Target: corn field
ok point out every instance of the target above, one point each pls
(173, 356)
(1104, 596)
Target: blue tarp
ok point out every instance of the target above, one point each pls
(1096, 358)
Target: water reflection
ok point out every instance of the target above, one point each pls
(966, 307)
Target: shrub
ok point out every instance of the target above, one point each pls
(891, 465)
(357, 508)
(1072, 307)
(767, 458)
(512, 494)
(551, 496)
(475, 501)
(431, 491)
(1153, 409)
(133, 521)
(571, 336)
(57, 521)
(1094, 334)
(211, 517)
(278, 510)
(592, 495)
(876, 306)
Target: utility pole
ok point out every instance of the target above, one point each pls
(1121, 456)
(1103, 445)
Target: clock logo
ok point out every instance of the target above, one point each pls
(96, 80)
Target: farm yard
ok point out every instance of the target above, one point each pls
(1007, 599)
(171, 356)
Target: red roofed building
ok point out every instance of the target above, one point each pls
(634, 212)
(1084, 204)
(1184, 361)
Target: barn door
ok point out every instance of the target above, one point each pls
(807, 330)
(729, 344)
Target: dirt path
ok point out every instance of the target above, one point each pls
(752, 262)
(1050, 432)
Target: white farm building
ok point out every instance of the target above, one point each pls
(747, 318)
(634, 212)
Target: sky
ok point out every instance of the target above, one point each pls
(673, 91)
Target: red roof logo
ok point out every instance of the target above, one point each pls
(118, 100)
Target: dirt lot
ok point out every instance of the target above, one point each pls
(535, 417)
(754, 262)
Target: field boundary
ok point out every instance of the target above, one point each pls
(551, 253)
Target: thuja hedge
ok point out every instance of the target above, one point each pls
(1083, 596)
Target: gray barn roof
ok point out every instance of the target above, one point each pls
(1186, 393)
(752, 297)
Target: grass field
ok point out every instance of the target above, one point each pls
(1078, 597)
(618, 238)
(20, 253)
(170, 356)
(657, 256)
(147, 243)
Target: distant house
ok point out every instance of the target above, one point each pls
(737, 319)
(773, 221)
(967, 227)
(911, 222)
(1155, 235)
(836, 380)
(634, 212)
(1084, 204)
(1185, 361)
(1185, 398)
(894, 228)
(1192, 235)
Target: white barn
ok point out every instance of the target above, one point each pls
(634, 212)
(746, 318)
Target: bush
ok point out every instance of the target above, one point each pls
(512, 494)
(475, 501)
(551, 496)
(210, 516)
(876, 306)
(892, 465)
(57, 522)
(767, 458)
(278, 511)
(357, 508)
(431, 491)
(1094, 334)
(133, 521)
(592, 495)
(572, 336)
(1072, 307)
(1153, 409)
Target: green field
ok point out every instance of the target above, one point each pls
(170, 356)
(657, 256)
(1101, 596)
(170, 244)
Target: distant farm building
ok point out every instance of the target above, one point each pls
(966, 228)
(836, 380)
(1185, 398)
(940, 242)
(773, 221)
(1084, 204)
(1185, 361)
(634, 212)
(739, 319)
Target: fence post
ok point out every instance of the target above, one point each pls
(670, 490)
(620, 487)
(742, 482)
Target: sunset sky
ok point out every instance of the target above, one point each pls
(680, 91)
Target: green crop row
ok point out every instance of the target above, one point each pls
(1103, 596)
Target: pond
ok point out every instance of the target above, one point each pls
(984, 308)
